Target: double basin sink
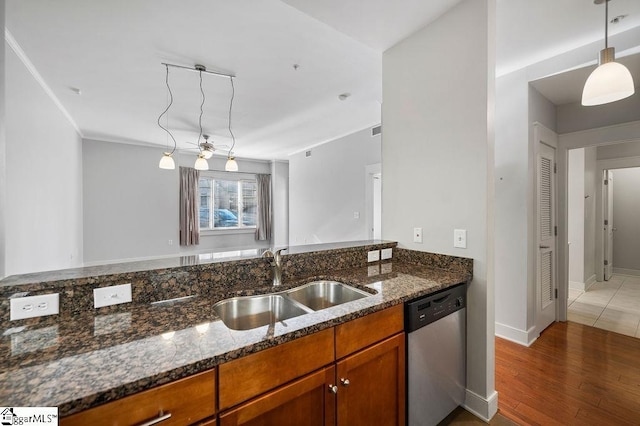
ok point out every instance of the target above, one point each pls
(247, 312)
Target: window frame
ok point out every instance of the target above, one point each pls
(238, 178)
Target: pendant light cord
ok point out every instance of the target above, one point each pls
(167, 109)
(233, 93)
(201, 112)
(606, 24)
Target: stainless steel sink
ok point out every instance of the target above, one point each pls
(245, 313)
(324, 294)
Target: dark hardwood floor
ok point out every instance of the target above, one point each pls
(572, 375)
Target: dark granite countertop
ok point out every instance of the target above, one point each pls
(80, 361)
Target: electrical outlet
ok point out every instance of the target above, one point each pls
(356, 215)
(114, 295)
(386, 253)
(417, 235)
(460, 238)
(34, 306)
(373, 256)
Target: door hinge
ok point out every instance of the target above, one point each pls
(606, 222)
(555, 231)
(606, 262)
(556, 293)
(606, 182)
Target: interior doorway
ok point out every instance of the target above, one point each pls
(373, 196)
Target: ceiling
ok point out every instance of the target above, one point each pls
(112, 51)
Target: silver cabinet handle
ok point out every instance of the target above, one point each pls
(161, 418)
(333, 389)
(544, 246)
(345, 382)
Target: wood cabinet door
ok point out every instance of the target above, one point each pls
(371, 385)
(305, 402)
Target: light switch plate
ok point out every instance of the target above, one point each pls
(34, 306)
(417, 235)
(114, 295)
(373, 256)
(386, 253)
(460, 238)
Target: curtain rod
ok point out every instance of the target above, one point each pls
(231, 173)
(199, 68)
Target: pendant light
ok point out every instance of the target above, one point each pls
(201, 162)
(166, 161)
(231, 165)
(611, 81)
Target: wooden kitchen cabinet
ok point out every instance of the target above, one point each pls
(305, 402)
(362, 332)
(187, 401)
(252, 375)
(371, 385)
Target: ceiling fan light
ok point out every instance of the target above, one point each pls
(166, 162)
(609, 82)
(232, 165)
(201, 163)
(207, 153)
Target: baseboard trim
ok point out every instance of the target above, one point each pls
(576, 285)
(480, 407)
(624, 271)
(515, 335)
(590, 281)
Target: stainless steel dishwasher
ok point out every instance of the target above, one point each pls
(436, 355)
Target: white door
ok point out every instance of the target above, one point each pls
(546, 232)
(608, 224)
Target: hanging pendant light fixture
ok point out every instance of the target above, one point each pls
(611, 81)
(201, 161)
(167, 162)
(231, 165)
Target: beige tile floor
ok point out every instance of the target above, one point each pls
(612, 305)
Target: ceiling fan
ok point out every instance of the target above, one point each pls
(208, 148)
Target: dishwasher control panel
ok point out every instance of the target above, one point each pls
(425, 310)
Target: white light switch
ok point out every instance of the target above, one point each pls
(460, 238)
(114, 295)
(417, 235)
(386, 253)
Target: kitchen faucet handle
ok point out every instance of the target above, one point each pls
(280, 250)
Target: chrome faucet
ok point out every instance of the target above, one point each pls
(275, 260)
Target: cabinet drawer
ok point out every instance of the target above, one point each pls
(187, 400)
(362, 332)
(249, 376)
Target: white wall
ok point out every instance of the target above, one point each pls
(280, 204)
(437, 161)
(576, 228)
(131, 206)
(590, 187)
(626, 208)
(327, 188)
(618, 150)
(43, 210)
(3, 157)
(574, 117)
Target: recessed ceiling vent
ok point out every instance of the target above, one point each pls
(376, 130)
(307, 154)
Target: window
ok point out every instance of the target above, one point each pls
(227, 203)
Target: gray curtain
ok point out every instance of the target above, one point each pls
(189, 215)
(263, 222)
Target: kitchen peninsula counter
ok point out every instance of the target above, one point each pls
(84, 359)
